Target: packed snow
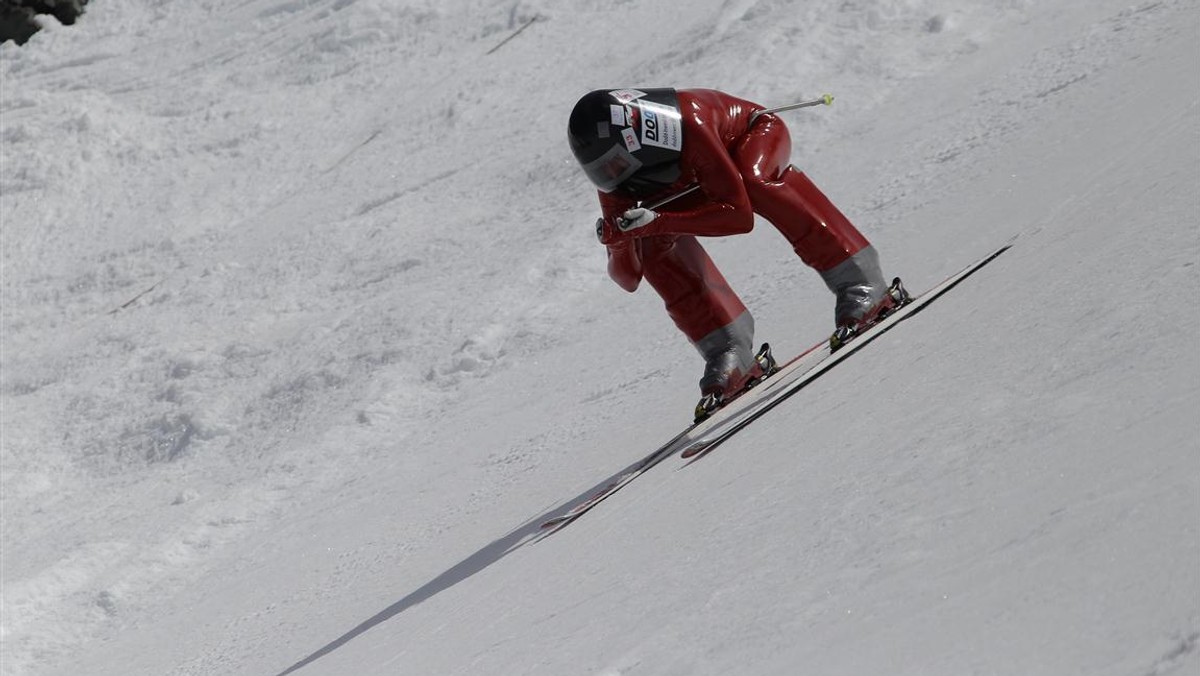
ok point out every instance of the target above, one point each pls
(305, 329)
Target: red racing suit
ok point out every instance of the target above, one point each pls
(742, 170)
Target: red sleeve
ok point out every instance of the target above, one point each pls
(726, 210)
(624, 253)
(625, 264)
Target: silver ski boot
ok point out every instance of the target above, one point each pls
(736, 383)
(896, 297)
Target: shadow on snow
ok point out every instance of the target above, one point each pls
(527, 533)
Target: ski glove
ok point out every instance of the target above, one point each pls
(635, 218)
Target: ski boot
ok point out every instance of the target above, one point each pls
(848, 327)
(716, 396)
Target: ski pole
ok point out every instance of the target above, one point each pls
(671, 198)
(824, 100)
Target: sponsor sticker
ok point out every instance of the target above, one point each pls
(662, 126)
(631, 140)
(601, 130)
(626, 95)
(617, 115)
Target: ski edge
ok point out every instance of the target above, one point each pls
(556, 523)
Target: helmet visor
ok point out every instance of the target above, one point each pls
(612, 168)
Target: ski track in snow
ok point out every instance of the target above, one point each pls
(304, 326)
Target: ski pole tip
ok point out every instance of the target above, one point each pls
(827, 99)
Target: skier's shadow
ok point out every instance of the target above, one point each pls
(524, 534)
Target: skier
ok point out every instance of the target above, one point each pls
(642, 147)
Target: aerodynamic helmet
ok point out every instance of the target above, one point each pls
(628, 140)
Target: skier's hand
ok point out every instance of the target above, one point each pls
(635, 218)
(620, 228)
(608, 232)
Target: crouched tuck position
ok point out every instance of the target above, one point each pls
(641, 147)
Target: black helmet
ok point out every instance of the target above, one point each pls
(628, 139)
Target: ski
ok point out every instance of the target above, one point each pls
(703, 437)
(818, 361)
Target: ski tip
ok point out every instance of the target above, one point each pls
(996, 254)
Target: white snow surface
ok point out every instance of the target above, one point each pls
(305, 328)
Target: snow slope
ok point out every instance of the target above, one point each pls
(304, 326)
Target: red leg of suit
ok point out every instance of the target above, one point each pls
(820, 234)
(697, 296)
(703, 306)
